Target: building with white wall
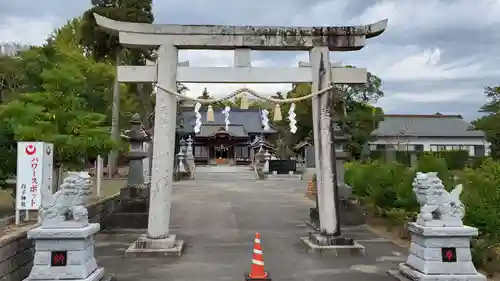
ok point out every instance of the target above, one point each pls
(428, 133)
(11, 48)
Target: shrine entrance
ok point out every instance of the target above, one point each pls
(222, 151)
(222, 154)
(168, 71)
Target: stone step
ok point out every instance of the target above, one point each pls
(285, 177)
(225, 175)
(223, 169)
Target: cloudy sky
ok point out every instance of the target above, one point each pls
(435, 56)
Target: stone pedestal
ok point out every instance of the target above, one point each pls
(133, 210)
(439, 254)
(327, 245)
(65, 254)
(149, 247)
(350, 214)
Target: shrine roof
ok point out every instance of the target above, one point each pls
(301, 145)
(437, 126)
(208, 130)
(248, 119)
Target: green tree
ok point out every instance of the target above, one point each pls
(358, 117)
(7, 153)
(359, 122)
(58, 81)
(59, 118)
(490, 123)
(104, 46)
(10, 77)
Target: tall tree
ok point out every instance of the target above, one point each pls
(359, 122)
(490, 124)
(360, 118)
(60, 118)
(105, 46)
(10, 77)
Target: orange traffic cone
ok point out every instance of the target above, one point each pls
(257, 271)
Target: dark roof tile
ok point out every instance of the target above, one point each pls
(250, 119)
(425, 126)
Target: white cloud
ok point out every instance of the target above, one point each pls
(426, 65)
(451, 95)
(204, 58)
(418, 15)
(409, 58)
(29, 31)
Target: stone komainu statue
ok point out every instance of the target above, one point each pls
(65, 208)
(437, 206)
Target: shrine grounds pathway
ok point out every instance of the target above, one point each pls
(218, 221)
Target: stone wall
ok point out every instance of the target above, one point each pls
(16, 251)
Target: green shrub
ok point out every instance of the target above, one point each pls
(377, 155)
(476, 161)
(481, 197)
(404, 157)
(386, 185)
(429, 162)
(386, 189)
(455, 159)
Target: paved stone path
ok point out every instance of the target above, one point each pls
(219, 220)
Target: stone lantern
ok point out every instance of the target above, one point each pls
(132, 213)
(180, 155)
(267, 157)
(136, 137)
(341, 156)
(189, 157)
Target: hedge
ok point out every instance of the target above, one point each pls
(455, 159)
(385, 189)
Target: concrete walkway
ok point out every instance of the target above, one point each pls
(219, 220)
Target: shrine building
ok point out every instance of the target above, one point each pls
(216, 145)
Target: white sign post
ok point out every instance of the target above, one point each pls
(35, 161)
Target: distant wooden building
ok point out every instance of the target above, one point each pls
(216, 145)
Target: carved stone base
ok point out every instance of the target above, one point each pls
(97, 275)
(406, 273)
(148, 247)
(440, 253)
(332, 245)
(135, 191)
(455, 222)
(76, 243)
(117, 221)
(133, 210)
(54, 224)
(350, 214)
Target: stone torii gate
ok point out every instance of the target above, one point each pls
(168, 71)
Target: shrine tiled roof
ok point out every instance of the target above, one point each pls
(248, 119)
(208, 130)
(451, 126)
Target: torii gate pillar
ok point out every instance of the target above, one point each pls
(169, 38)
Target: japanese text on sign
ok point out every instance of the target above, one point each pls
(34, 182)
(34, 170)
